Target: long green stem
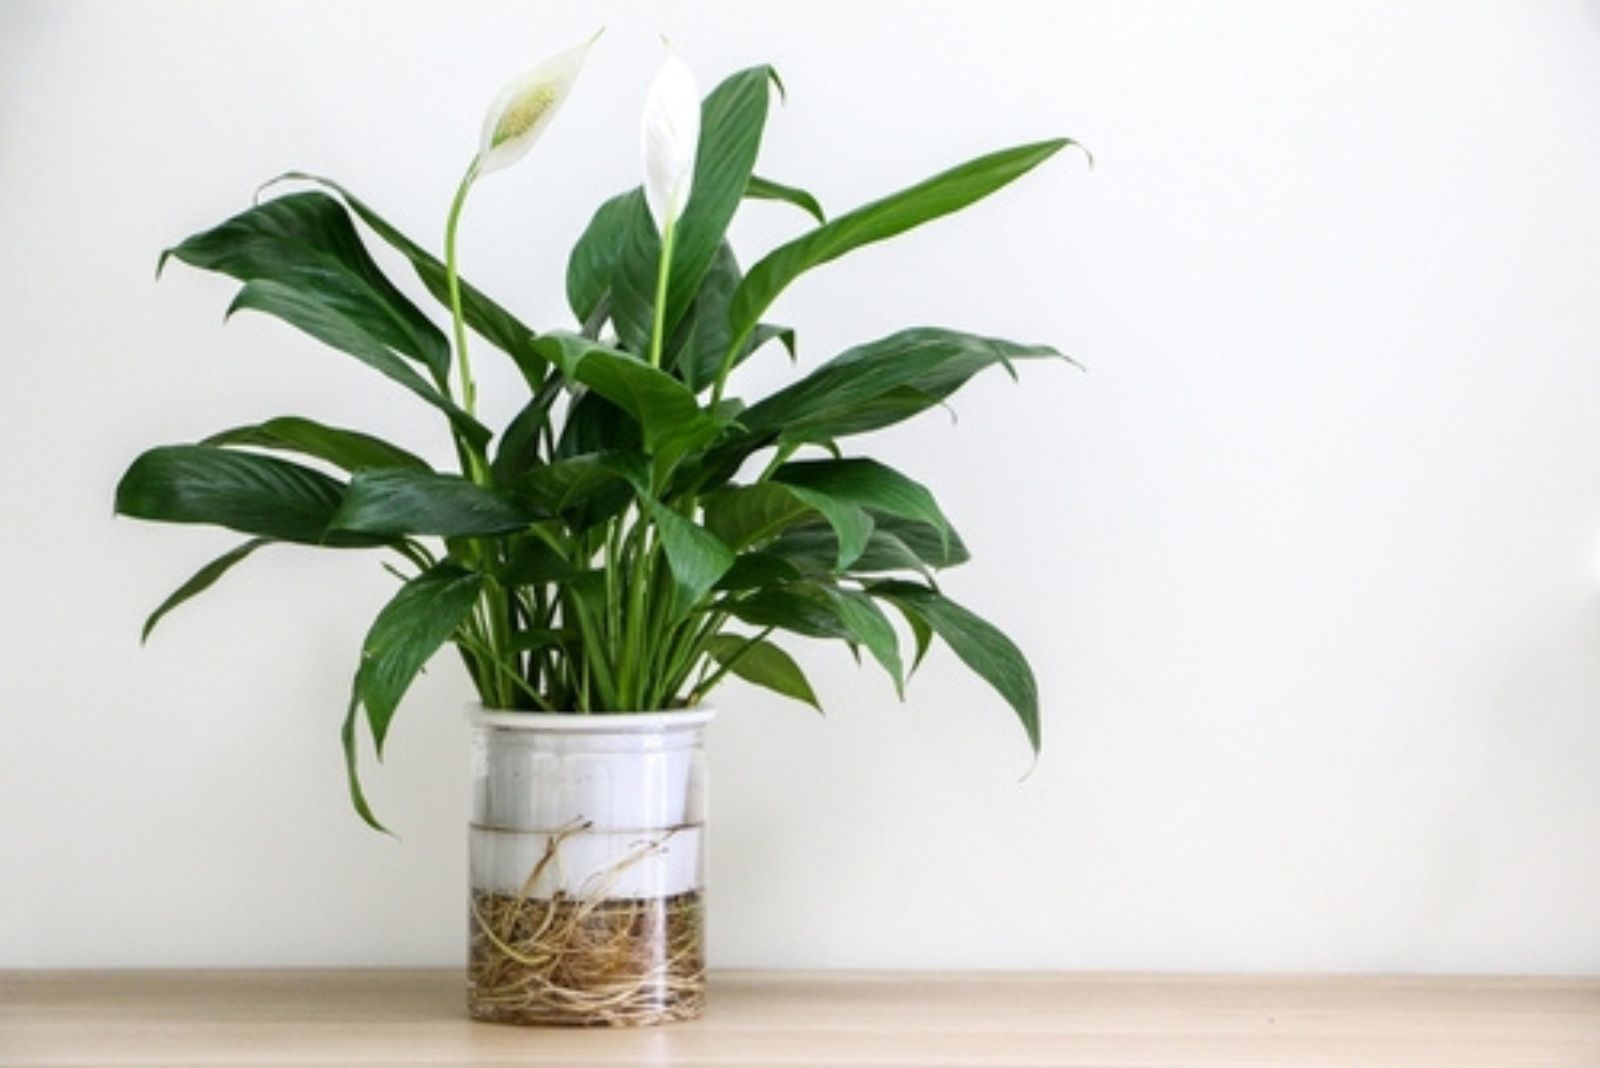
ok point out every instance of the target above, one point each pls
(663, 276)
(469, 389)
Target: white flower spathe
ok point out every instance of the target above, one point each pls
(526, 107)
(669, 138)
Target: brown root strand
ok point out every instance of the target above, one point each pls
(606, 962)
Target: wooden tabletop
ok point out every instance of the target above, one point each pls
(778, 1018)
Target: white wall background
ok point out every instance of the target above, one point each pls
(1308, 562)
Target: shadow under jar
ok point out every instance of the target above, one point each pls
(586, 868)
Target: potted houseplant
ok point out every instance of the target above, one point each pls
(633, 536)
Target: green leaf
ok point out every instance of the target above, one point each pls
(867, 624)
(390, 502)
(910, 370)
(989, 653)
(937, 196)
(695, 556)
(521, 446)
(406, 634)
(329, 325)
(671, 420)
(868, 484)
(732, 118)
(813, 549)
(201, 581)
(851, 524)
(743, 516)
(759, 570)
(346, 449)
(764, 664)
(822, 610)
(532, 562)
(491, 322)
(352, 770)
(595, 256)
(242, 491)
(760, 188)
(564, 485)
(305, 242)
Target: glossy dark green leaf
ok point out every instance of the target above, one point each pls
(706, 334)
(937, 196)
(594, 258)
(522, 443)
(813, 549)
(867, 484)
(866, 624)
(764, 664)
(838, 398)
(305, 242)
(989, 653)
(732, 119)
(671, 420)
(564, 485)
(352, 770)
(329, 325)
(743, 516)
(201, 581)
(850, 523)
(760, 188)
(389, 503)
(695, 556)
(242, 491)
(801, 608)
(488, 319)
(350, 450)
(532, 561)
(406, 634)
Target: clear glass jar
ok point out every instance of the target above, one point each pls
(586, 868)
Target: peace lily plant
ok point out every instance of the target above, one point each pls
(636, 533)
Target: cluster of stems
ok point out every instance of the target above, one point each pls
(621, 643)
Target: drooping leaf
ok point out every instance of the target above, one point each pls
(407, 632)
(743, 516)
(329, 325)
(488, 319)
(838, 398)
(242, 491)
(392, 502)
(982, 647)
(760, 188)
(304, 242)
(937, 196)
(867, 624)
(813, 549)
(201, 581)
(695, 555)
(867, 484)
(851, 523)
(764, 664)
(350, 450)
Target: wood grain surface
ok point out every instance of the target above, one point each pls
(410, 1017)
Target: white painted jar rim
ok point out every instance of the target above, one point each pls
(592, 722)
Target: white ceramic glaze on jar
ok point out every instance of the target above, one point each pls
(581, 817)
